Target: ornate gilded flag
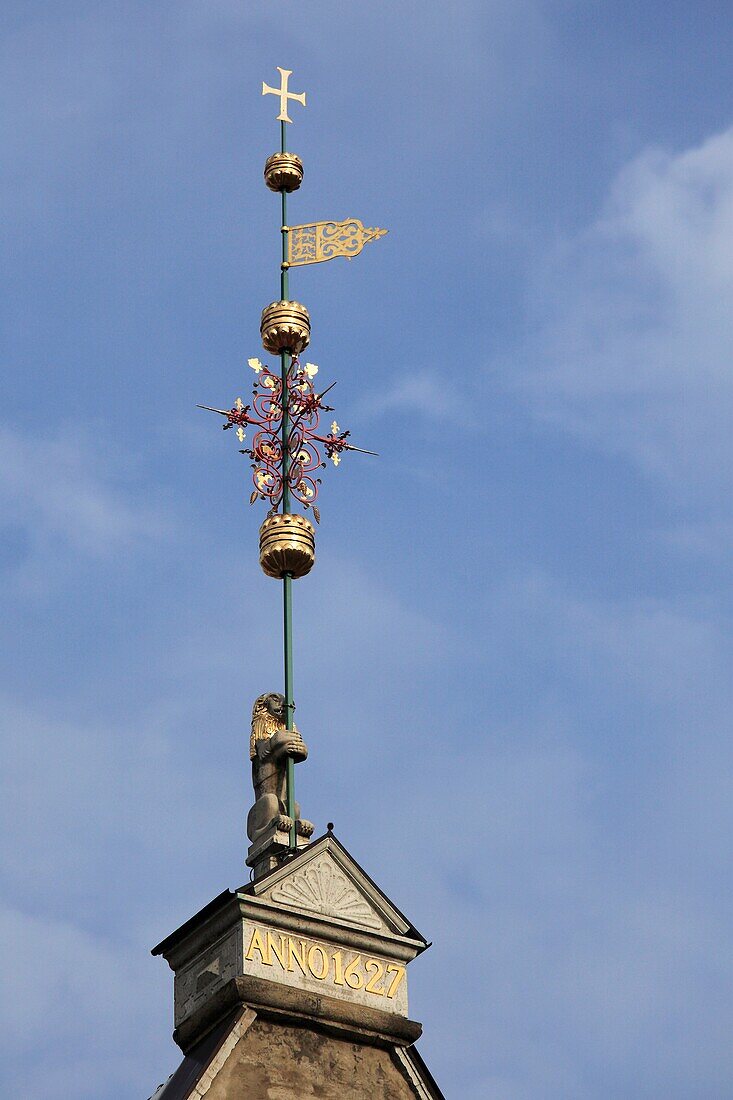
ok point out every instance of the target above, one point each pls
(320, 241)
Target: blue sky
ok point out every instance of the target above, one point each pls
(514, 655)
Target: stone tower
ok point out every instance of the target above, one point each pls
(295, 986)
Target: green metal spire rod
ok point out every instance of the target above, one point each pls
(288, 577)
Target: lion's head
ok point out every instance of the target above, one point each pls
(268, 716)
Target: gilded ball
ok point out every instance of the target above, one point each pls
(287, 545)
(283, 172)
(285, 326)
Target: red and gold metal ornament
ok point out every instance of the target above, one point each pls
(304, 407)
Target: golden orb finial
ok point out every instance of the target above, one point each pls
(285, 326)
(283, 172)
(287, 545)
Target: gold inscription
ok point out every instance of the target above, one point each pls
(338, 968)
(399, 973)
(369, 974)
(256, 944)
(376, 969)
(278, 950)
(322, 972)
(293, 954)
(353, 974)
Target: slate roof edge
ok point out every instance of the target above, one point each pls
(208, 910)
(429, 1079)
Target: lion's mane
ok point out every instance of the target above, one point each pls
(264, 724)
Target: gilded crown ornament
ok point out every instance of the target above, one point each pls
(285, 326)
(287, 450)
(283, 172)
(287, 545)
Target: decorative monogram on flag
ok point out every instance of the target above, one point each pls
(320, 241)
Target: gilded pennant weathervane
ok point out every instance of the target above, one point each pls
(320, 241)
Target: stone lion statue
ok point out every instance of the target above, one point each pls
(270, 744)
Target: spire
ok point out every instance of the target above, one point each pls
(297, 982)
(287, 449)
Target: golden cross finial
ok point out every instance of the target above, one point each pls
(284, 94)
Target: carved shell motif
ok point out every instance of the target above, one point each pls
(320, 888)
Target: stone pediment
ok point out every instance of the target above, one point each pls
(323, 888)
(325, 881)
(317, 924)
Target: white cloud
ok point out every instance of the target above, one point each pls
(67, 497)
(67, 995)
(634, 327)
(79, 791)
(711, 539)
(416, 391)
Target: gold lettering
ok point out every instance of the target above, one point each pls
(376, 969)
(324, 962)
(256, 944)
(399, 973)
(353, 975)
(280, 952)
(314, 960)
(338, 968)
(293, 954)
